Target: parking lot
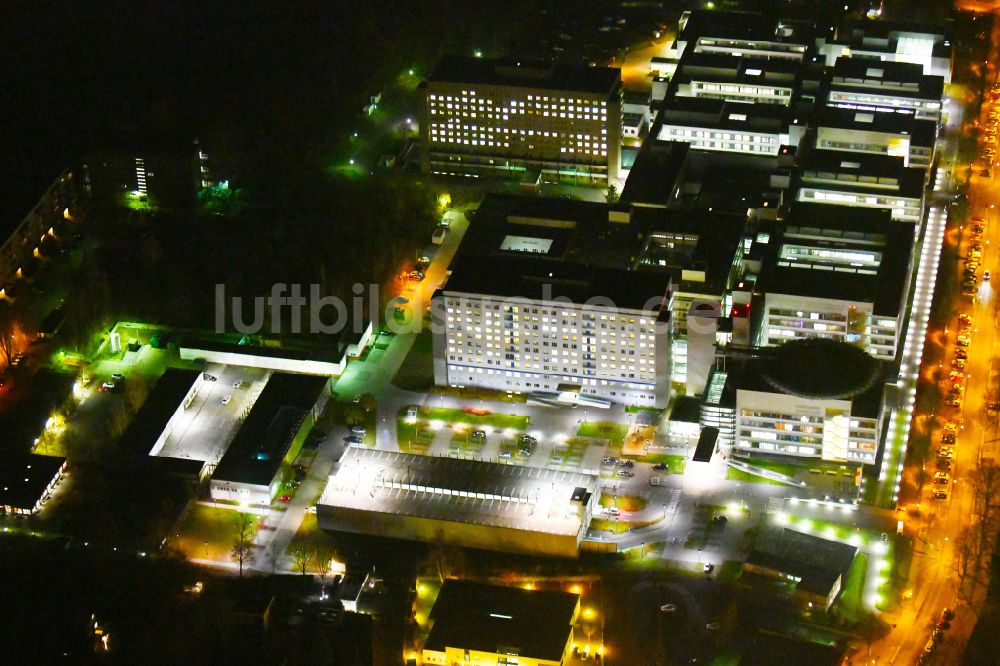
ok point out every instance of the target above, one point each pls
(207, 426)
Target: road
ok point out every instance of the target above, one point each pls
(939, 522)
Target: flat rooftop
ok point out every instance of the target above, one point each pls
(746, 26)
(817, 561)
(523, 73)
(720, 114)
(542, 248)
(656, 174)
(824, 242)
(534, 624)
(697, 247)
(859, 377)
(725, 68)
(23, 478)
(921, 132)
(861, 172)
(263, 440)
(903, 79)
(161, 404)
(468, 491)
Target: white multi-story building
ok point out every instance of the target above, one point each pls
(862, 85)
(714, 124)
(543, 299)
(736, 78)
(884, 41)
(862, 180)
(898, 134)
(811, 399)
(620, 354)
(485, 117)
(837, 279)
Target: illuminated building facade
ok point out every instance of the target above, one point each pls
(517, 119)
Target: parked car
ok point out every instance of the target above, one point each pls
(358, 430)
(660, 466)
(208, 377)
(708, 568)
(948, 438)
(108, 386)
(117, 376)
(226, 399)
(625, 473)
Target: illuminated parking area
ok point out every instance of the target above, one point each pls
(923, 295)
(426, 489)
(203, 428)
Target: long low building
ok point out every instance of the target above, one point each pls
(270, 438)
(464, 502)
(26, 480)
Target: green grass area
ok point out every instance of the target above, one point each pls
(616, 526)
(216, 526)
(613, 432)
(828, 529)
(476, 393)
(747, 477)
(311, 538)
(495, 421)
(850, 604)
(414, 437)
(625, 502)
(634, 410)
(675, 464)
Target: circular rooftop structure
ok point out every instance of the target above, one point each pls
(815, 368)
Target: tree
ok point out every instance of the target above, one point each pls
(966, 562)
(301, 557)
(611, 194)
(7, 344)
(243, 552)
(136, 392)
(369, 403)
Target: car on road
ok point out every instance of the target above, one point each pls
(238, 384)
(708, 568)
(416, 276)
(506, 454)
(108, 386)
(117, 376)
(478, 434)
(986, 276)
(947, 614)
(612, 511)
(625, 473)
(226, 399)
(668, 608)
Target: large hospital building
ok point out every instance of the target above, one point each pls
(484, 117)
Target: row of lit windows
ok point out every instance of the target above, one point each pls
(719, 135)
